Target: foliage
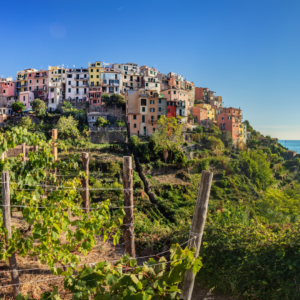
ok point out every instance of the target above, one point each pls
(169, 135)
(199, 129)
(227, 138)
(39, 107)
(115, 99)
(67, 127)
(152, 280)
(25, 122)
(17, 106)
(101, 122)
(134, 140)
(67, 105)
(120, 123)
(77, 114)
(105, 98)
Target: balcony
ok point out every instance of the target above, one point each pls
(143, 94)
(41, 75)
(80, 78)
(152, 121)
(22, 86)
(80, 86)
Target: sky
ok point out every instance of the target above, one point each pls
(245, 51)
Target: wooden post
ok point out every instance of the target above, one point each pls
(24, 151)
(7, 224)
(54, 149)
(85, 182)
(35, 148)
(197, 229)
(128, 228)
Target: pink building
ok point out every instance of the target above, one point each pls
(26, 98)
(7, 91)
(229, 120)
(38, 84)
(200, 115)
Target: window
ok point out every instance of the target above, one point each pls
(94, 101)
(92, 70)
(37, 81)
(69, 76)
(134, 125)
(64, 71)
(92, 76)
(152, 109)
(134, 117)
(131, 78)
(119, 66)
(52, 100)
(222, 118)
(169, 92)
(125, 72)
(97, 70)
(43, 81)
(98, 64)
(146, 84)
(97, 76)
(69, 82)
(69, 90)
(29, 89)
(155, 84)
(159, 101)
(29, 81)
(143, 119)
(143, 109)
(143, 101)
(174, 92)
(169, 109)
(159, 109)
(125, 76)
(151, 101)
(116, 89)
(23, 98)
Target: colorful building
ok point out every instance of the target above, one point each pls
(22, 80)
(111, 81)
(56, 86)
(38, 84)
(95, 95)
(127, 69)
(95, 74)
(7, 91)
(77, 84)
(230, 119)
(211, 112)
(200, 115)
(130, 82)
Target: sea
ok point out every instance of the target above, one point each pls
(293, 145)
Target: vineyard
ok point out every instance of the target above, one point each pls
(57, 244)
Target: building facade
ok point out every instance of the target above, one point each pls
(200, 116)
(77, 84)
(38, 84)
(56, 86)
(95, 74)
(7, 91)
(111, 82)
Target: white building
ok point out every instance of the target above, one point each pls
(111, 82)
(56, 86)
(77, 84)
(128, 68)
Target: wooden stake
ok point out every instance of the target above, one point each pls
(85, 182)
(54, 149)
(35, 148)
(7, 224)
(128, 228)
(197, 229)
(24, 151)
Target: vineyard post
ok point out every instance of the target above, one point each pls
(24, 151)
(85, 182)
(197, 229)
(7, 224)
(54, 149)
(35, 148)
(128, 228)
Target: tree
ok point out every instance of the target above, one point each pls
(199, 129)
(17, 106)
(117, 99)
(25, 122)
(190, 117)
(120, 123)
(105, 98)
(39, 107)
(169, 135)
(217, 131)
(67, 127)
(67, 105)
(101, 122)
(227, 138)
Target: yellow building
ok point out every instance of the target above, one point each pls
(95, 74)
(211, 112)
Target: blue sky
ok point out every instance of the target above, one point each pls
(245, 51)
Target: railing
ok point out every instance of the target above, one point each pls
(152, 121)
(143, 95)
(81, 78)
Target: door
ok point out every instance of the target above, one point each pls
(145, 130)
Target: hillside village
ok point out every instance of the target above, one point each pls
(147, 93)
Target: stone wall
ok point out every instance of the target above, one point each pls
(108, 136)
(18, 150)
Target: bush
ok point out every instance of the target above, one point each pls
(67, 127)
(17, 106)
(39, 107)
